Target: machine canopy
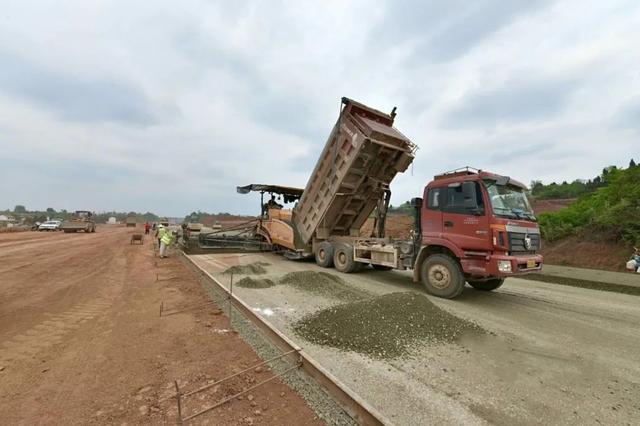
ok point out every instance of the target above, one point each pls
(288, 193)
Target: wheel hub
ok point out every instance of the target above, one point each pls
(322, 254)
(439, 276)
(342, 258)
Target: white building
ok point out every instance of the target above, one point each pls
(5, 218)
(6, 221)
(112, 221)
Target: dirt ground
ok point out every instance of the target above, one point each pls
(595, 253)
(82, 342)
(544, 206)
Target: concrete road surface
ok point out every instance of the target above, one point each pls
(619, 278)
(553, 355)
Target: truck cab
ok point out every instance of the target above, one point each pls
(481, 221)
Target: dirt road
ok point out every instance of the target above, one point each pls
(81, 341)
(551, 354)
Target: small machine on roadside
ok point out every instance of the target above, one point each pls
(633, 264)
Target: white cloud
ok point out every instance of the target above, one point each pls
(168, 107)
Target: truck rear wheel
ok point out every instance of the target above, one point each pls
(487, 285)
(343, 259)
(324, 254)
(442, 276)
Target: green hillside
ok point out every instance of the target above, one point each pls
(613, 208)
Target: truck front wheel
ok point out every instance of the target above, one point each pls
(487, 285)
(324, 254)
(343, 259)
(442, 276)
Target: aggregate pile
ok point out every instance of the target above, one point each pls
(249, 269)
(384, 327)
(322, 284)
(249, 282)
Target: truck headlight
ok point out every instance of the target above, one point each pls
(504, 265)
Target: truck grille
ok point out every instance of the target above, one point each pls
(517, 242)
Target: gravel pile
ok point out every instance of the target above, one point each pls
(384, 327)
(323, 284)
(254, 268)
(249, 282)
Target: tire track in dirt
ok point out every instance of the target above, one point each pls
(50, 332)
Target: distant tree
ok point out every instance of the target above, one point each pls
(51, 210)
(19, 209)
(536, 186)
(632, 164)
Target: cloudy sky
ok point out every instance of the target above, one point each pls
(167, 106)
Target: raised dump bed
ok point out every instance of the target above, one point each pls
(363, 154)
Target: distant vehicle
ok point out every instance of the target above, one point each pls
(50, 225)
(82, 220)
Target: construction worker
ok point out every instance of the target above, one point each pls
(167, 239)
(159, 233)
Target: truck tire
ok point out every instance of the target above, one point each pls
(343, 259)
(324, 254)
(442, 276)
(487, 285)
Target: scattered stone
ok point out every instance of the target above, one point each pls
(281, 393)
(257, 412)
(249, 397)
(208, 324)
(249, 269)
(144, 410)
(249, 282)
(384, 327)
(258, 369)
(99, 413)
(2, 367)
(253, 404)
(45, 370)
(248, 420)
(145, 389)
(323, 284)
(217, 312)
(240, 398)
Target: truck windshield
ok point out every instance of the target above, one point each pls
(509, 201)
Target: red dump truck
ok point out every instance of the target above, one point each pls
(470, 225)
